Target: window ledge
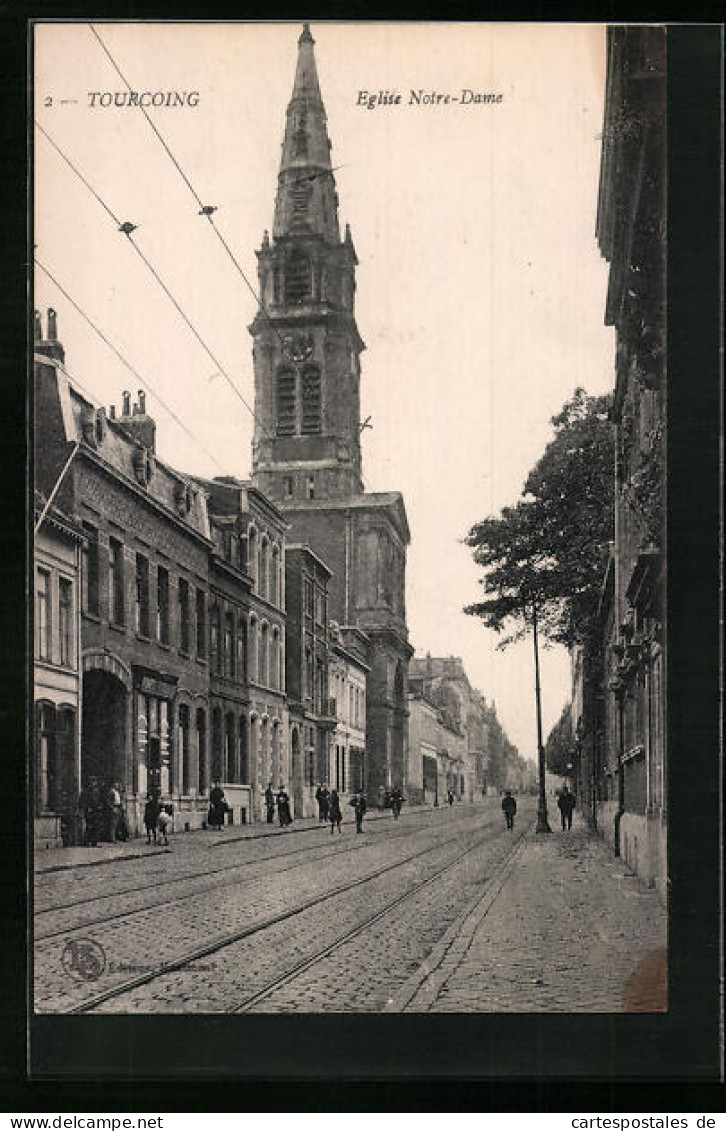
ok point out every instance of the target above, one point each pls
(90, 616)
(117, 627)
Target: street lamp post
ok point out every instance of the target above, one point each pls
(542, 822)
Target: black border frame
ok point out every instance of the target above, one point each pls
(609, 1062)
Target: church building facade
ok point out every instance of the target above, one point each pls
(306, 450)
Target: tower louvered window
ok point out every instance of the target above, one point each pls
(311, 400)
(297, 279)
(300, 196)
(286, 402)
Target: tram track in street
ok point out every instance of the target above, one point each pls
(307, 854)
(214, 947)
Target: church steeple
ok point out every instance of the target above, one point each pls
(307, 345)
(306, 196)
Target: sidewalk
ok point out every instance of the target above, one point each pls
(566, 927)
(80, 856)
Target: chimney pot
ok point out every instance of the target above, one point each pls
(52, 325)
(126, 402)
(37, 326)
(112, 411)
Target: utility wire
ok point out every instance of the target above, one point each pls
(203, 208)
(125, 229)
(143, 381)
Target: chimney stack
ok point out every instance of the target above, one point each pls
(141, 426)
(48, 345)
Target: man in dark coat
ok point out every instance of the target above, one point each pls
(270, 804)
(151, 817)
(322, 796)
(358, 802)
(283, 807)
(397, 800)
(565, 804)
(90, 804)
(509, 808)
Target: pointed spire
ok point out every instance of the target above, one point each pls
(306, 197)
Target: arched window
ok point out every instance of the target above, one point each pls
(252, 650)
(229, 652)
(263, 674)
(286, 403)
(275, 659)
(298, 278)
(252, 553)
(311, 399)
(241, 650)
(262, 578)
(273, 588)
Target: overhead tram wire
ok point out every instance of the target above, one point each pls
(204, 209)
(127, 231)
(143, 381)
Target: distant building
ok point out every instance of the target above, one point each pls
(312, 713)
(630, 766)
(307, 450)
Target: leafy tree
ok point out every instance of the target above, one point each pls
(552, 547)
(559, 744)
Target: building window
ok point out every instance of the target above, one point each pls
(216, 744)
(184, 642)
(311, 487)
(230, 769)
(55, 737)
(241, 650)
(229, 652)
(308, 675)
(263, 674)
(308, 597)
(162, 605)
(244, 756)
(275, 660)
(242, 554)
(252, 665)
(319, 607)
(201, 625)
(184, 746)
(142, 595)
(262, 571)
(298, 278)
(116, 612)
(286, 403)
(90, 570)
(289, 486)
(43, 615)
(215, 654)
(274, 578)
(65, 620)
(252, 553)
(311, 421)
(201, 750)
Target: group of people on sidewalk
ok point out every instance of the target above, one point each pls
(329, 808)
(158, 818)
(101, 807)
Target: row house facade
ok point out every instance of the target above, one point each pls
(627, 767)
(312, 713)
(349, 668)
(437, 753)
(144, 648)
(247, 645)
(56, 673)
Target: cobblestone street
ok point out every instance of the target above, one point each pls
(443, 910)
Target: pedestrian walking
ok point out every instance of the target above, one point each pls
(565, 804)
(164, 821)
(358, 802)
(283, 807)
(397, 800)
(119, 828)
(270, 803)
(381, 798)
(151, 817)
(323, 798)
(335, 815)
(450, 797)
(509, 808)
(217, 807)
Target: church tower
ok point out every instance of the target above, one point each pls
(306, 450)
(306, 342)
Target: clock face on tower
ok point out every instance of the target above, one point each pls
(298, 347)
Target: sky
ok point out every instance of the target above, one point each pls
(480, 289)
